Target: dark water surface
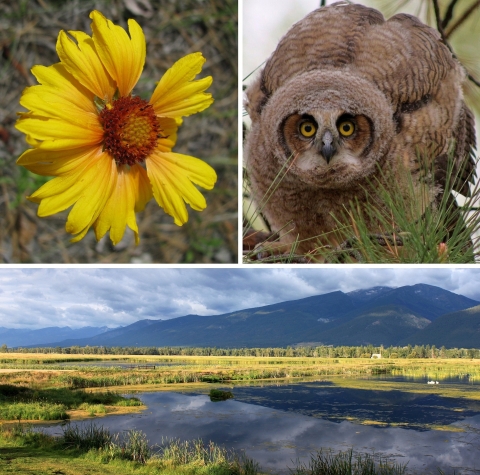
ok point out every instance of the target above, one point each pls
(330, 402)
(276, 425)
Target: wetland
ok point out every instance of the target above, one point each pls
(284, 409)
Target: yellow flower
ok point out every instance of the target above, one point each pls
(111, 151)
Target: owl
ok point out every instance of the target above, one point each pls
(345, 103)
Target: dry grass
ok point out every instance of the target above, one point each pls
(201, 370)
(173, 28)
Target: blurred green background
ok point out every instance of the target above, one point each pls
(173, 28)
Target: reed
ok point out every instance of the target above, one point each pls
(347, 463)
(93, 409)
(225, 372)
(33, 411)
(98, 446)
(23, 403)
(24, 435)
(174, 453)
(189, 455)
(85, 438)
(135, 447)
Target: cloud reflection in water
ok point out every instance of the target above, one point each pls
(277, 438)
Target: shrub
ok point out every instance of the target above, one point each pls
(219, 395)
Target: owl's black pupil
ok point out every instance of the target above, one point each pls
(308, 128)
(346, 127)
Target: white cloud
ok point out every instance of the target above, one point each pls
(95, 297)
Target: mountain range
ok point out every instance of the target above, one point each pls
(416, 314)
(24, 337)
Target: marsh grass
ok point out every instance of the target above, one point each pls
(23, 403)
(174, 452)
(95, 451)
(347, 463)
(85, 438)
(135, 447)
(88, 386)
(33, 411)
(24, 435)
(220, 375)
(171, 454)
(196, 453)
(93, 409)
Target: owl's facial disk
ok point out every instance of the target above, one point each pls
(321, 141)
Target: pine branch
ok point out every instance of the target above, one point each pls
(449, 14)
(475, 81)
(441, 23)
(462, 18)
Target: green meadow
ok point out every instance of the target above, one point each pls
(38, 387)
(44, 371)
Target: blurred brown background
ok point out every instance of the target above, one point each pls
(173, 28)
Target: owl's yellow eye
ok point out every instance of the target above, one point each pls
(308, 129)
(346, 128)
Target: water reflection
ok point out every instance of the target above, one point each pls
(328, 401)
(276, 438)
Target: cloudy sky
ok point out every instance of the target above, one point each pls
(37, 298)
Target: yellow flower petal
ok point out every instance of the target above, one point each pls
(169, 129)
(58, 80)
(82, 61)
(96, 185)
(54, 196)
(166, 194)
(123, 56)
(63, 127)
(119, 209)
(82, 233)
(56, 134)
(177, 94)
(51, 105)
(60, 193)
(88, 187)
(55, 162)
(171, 176)
(142, 187)
(193, 168)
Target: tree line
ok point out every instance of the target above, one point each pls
(409, 351)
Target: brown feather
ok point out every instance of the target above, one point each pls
(395, 78)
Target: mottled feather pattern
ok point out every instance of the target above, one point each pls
(345, 62)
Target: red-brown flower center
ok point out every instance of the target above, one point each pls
(131, 130)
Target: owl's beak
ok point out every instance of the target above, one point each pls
(327, 147)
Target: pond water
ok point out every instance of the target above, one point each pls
(278, 424)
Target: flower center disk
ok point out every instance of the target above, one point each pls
(131, 130)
